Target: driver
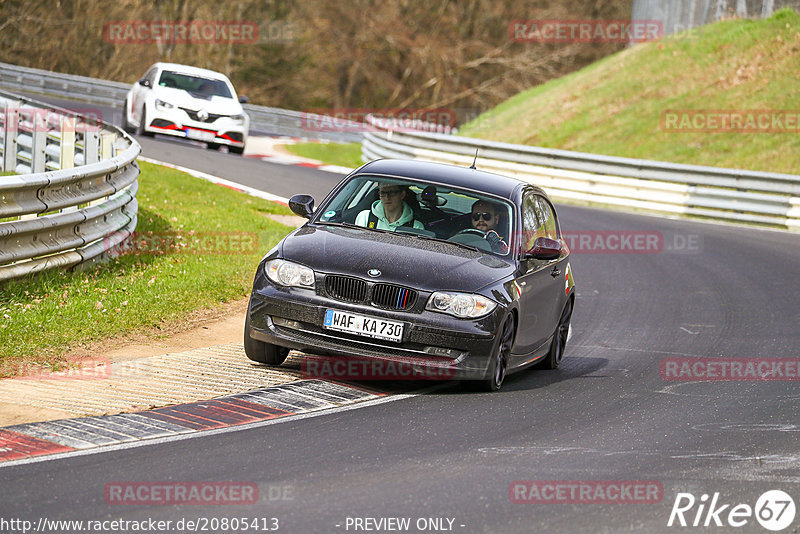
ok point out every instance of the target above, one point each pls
(485, 219)
(390, 212)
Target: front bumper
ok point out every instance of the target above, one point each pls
(446, 347)
(175, 121)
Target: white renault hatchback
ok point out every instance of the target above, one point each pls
(187, 102)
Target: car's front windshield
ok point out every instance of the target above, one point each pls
(417, 208)
(195, 85)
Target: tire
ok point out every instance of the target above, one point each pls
(559, 343)
(213, 146)
(499, 360)
(236, 150)
(261, 352)
(126, 126)
(140, 129)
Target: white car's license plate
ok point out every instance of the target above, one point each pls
(362, 325)
(200, 135)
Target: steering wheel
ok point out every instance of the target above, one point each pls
(472, 231)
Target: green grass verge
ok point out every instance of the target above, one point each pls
(615, 106)
(343, 154)
(42, 316)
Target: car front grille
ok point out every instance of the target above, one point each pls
(393, 297)
(357, 291)
(193, 115)
(346, 288)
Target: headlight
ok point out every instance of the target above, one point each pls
(460, 304)
(287, 273)
(162, 104)
(239, 117)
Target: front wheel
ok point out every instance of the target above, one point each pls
(261, 352)
(499, 360)
(559, 343)
(140, 130)
(126, 126)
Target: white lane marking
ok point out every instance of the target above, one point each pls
(671, 453)
(688, 331)
(203, 433)
(220, 181)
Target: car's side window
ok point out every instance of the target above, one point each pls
(530, 224)
(547, 219)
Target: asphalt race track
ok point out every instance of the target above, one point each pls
(608, 414)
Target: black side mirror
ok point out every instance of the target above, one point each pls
(302, 205)
(144, 82)
(545, 249)
(243, 99)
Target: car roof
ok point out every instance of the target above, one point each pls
(495, 184)
(188, 69)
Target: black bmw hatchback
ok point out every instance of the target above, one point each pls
(429, 266)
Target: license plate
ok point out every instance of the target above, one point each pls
(200, 135)
(363, 326)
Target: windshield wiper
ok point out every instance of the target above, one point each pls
(439, 239)
(410, 234)
(351, 225)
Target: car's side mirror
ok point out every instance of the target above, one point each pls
(243, 99)
(144, 82)
(545, 249)
(302, 205)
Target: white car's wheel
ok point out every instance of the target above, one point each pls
(142, 121)
(125, 124)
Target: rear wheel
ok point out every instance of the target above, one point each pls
(559, 343)
(499, 360)
(261, 352)
(236, 149)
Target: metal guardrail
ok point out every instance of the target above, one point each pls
(710, 192)
(266, 120)
(74, 195)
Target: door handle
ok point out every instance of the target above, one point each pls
(555, 272)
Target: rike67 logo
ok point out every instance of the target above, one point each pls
(774, 510)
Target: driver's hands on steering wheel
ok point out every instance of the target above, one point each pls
(498, 245)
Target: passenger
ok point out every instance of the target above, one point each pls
(390, 212)
(485, 219)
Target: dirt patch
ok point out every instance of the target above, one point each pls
(202, 328)
(288, 220)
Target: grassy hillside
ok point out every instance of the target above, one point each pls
(615, 106)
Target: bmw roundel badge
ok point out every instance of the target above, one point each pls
(374, 272)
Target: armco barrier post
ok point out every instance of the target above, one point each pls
(106, 142)
(38, 143)
(91, 146)
(67, 142)
(11, 113)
